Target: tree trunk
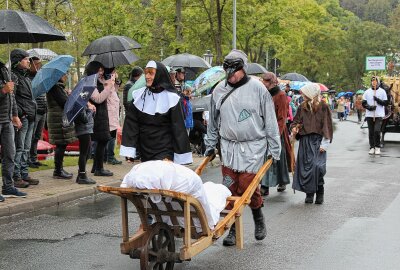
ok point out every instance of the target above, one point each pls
(218, 36)
(178, 25)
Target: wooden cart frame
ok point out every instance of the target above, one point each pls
(154, 244)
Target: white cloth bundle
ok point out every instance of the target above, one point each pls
(170, 176)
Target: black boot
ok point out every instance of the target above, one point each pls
(309, 198)
(83, 179)
(320, 195)
(94, 166)
(230, 240)
(103, 172)
(260, 230)
(61, 174)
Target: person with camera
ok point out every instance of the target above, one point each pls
(242, 118)
(113, 107)
(374, 101)
(26, 112)
(101, 128)
(8, 119)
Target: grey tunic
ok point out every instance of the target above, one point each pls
(247, 125)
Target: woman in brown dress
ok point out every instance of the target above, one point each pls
(312, 125)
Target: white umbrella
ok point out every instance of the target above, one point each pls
(186, 60)
(43, 54)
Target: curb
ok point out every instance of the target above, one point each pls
(32, 206)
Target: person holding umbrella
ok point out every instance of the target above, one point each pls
(26, 112)
(101, 131)
(84, 129)
(8, 118)
(58, 134)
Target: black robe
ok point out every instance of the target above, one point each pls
(154, 124)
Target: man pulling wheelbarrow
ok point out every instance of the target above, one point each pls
(242, 118)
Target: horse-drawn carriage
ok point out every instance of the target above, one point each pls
(391, 121)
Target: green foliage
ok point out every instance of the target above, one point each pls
(321, 39)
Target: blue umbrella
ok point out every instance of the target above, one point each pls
(297, 85)
(50, 74)
(141, 82)
(208, 79)
(79, 98)
(341, 94)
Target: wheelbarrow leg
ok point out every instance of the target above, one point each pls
(239, 232)
(125, 228)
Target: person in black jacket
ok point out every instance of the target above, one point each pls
(133, 77)
(101, 129)
(27, 113)
(8, 118)
(40, 118)
(58, 134)
(83, 129)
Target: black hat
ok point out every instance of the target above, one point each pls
(136, 71)
(17, 55)
(180, 69)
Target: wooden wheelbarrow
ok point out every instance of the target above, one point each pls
(154, 244)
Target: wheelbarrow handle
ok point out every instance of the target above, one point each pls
(199, 170)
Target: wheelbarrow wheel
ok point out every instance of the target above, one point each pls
(159, 251)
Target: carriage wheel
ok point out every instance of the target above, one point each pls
(157, 253)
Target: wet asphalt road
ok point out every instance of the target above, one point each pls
(356, 227)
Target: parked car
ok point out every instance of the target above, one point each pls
(72, 148)
(45, 150)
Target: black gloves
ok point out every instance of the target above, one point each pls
(381, 102)
(368, 107)
(209, 152)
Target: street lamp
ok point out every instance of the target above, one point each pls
(208, 56)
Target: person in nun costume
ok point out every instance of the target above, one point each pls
(312, 125)
(155, 126)
(242, 115)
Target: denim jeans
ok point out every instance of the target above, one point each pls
(7, 154)
(23, 139)
(37, 134)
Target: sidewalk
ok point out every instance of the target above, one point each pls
(54, 192)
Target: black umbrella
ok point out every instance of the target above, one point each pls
(294, 77)
(185, 60)
(255, 68)
(22, 27)
(115, 59)
(201, 104)
(111, 44)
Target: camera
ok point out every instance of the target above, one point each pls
(107, 76)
